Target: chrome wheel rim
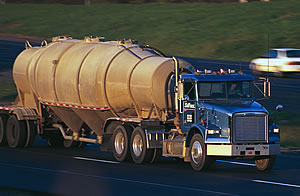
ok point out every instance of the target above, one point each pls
(137, 145)
(196, 152)
(119, 143)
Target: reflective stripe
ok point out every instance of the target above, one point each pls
(6, 108)
(74, 106)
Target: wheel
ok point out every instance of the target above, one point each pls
(3, 121)
(156, 155)
(138, 147)
(199, 160)
(16, 132)
(31, 133)
(121, 140)
(280, 74)
(257, 73)
(265, 164)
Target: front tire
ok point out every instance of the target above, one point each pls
(121, 139)
(138, 147)
(265, 164)
(199, 160)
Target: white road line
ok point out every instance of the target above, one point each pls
(119, 179)
(236, 163)
(97, 160)
(277, 183)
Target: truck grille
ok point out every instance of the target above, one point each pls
(250, 127)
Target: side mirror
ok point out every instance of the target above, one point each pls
(267, 88)
(180, 91)
(279, 108)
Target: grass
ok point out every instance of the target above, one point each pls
(231, 31)
(8, 92)
(290, 136)
(289, 124)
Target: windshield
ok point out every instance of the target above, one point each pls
(293, 53)
(223, 90)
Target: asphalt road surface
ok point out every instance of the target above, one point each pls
(42, 170)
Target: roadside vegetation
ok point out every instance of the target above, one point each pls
(232, 31)
(229, 31)
(8, 92)
(289, 124)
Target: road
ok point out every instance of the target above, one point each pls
(42, 170)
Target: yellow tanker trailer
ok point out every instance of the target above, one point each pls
(69, 88)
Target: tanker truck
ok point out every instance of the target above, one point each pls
(136, 103)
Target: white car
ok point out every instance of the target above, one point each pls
(277, 61)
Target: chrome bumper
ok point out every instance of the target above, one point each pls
(243, 150)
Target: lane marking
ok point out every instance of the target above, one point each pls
(277, 183)
(119, 179)
(237, 163)
(97, 160)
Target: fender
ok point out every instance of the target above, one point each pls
(196, 128)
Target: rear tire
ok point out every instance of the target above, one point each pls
(265, 164)
(199, 160)
(121, 139)
(3, 121)
(31, 133)
(157, 153)
(16, 132)
(138, 147)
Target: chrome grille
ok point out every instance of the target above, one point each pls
(249, 127)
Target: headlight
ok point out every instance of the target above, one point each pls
(276, 130)
(213, 132)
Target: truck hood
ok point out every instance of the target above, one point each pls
(232, 106)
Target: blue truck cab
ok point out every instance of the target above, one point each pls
(221, 119)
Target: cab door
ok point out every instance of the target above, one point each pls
(189, 103)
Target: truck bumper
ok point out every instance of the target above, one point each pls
(243, 150)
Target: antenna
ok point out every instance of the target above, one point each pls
(268, 53)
